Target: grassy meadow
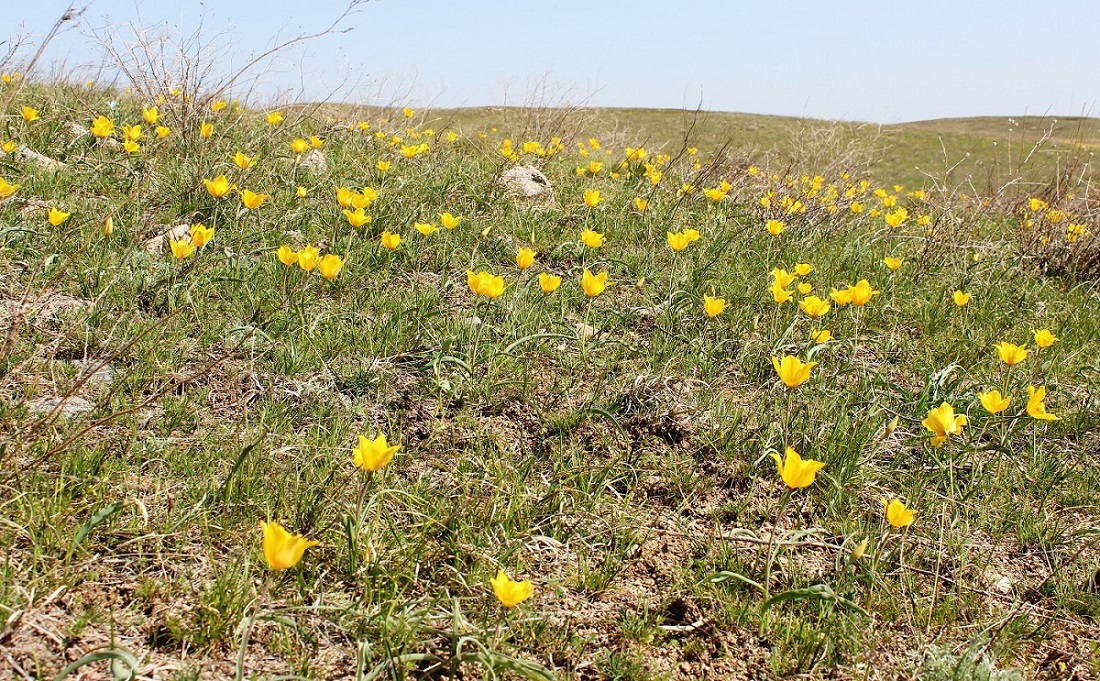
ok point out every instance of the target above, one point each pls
(596, 480)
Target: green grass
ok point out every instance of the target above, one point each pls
(613, 450)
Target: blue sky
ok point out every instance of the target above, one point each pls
(861, 60)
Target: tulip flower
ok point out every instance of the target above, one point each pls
(218, 106)
(943, 422)
(390, 241)
(805, 287)
(182, 249)
(592, 239)
(792, 371)
(244, 162)
(678, 241)
(108, 226)
(286, 255)
(1010, 353)
(640, 204)
(163, 131)
(780, 294)
(549, 282)
(782, 278)
(893, 263)
(131, 147)
(802, 269)
(9, 147)
(484, 284)
(206, 130)
(993, 402)
(897, 514)
(961, 298)
(814, 306)
(251, 199)
(383, 166)
(301, 192)
(593, 284)
(509, 592)
(131, 133)
(713, 306)
(274, 118)
(218, 187)
(425, 228)
(861, 293)
(102, 127)
(316, 142)
(29, 115)
(841, 297)
(449, 221)
(1036, 405)
(201, 235)
(592, 197)
(299, 146)
(1043, 337)
(57, 217)
(775, 227)
(308, 257)
(525, 258)
(357, 217)
(283, 550)
(6, 190)
(795, 471)
(371, 455)
(822, 336)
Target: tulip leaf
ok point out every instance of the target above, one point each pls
(534, 336)
(726, 575)
(123, 664)
(101, 516)
(224, 494)
(817, 592)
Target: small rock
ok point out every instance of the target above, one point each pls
(25, 153)
(314, 161)
(159, 242)
(67, 407)
(525, 181)
(76, 129)
(98, 375)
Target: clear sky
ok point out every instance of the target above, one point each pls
(871, 60)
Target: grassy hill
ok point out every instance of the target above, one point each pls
(987, 152)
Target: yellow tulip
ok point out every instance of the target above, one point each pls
(449, 221)
(525, 258)
(163, 131)
(640, 204)
(390, 241)
(1036, 405)
(792, 371)
(782, 278)
(29, 115)
(795, 471)
(9, 147)
(6, 190)
(509, 592)
(896, 218)
(805, 287)
(713, 306)
(218, 106)
(206, 130)
(131, 133)
(108, 226)
(943, 422)
(131, 147)
(299, 146)
(592, 239)
(383, 166)
(274, 118)
(897, 514)
(357, 217)
(1010, 353)
(780, 294)
(182, 249)
(283, 550)
(201, 235)
(244, 162)
(102, 127)
(300, 192)
(893, 263)
(803, 268)
(822, 336)
(286, 255)
(484, 284)
(814, 306)
(993, 402)
(1043, 337)
(371, 455)
(861, 293)
(549, 282)
(425, 228)
(219, 186)
(592, 197)
(960, 297)
(308, 257)
(775, 227)
(57, 217)
(593, 284)
(251, 199)
(316, 142)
